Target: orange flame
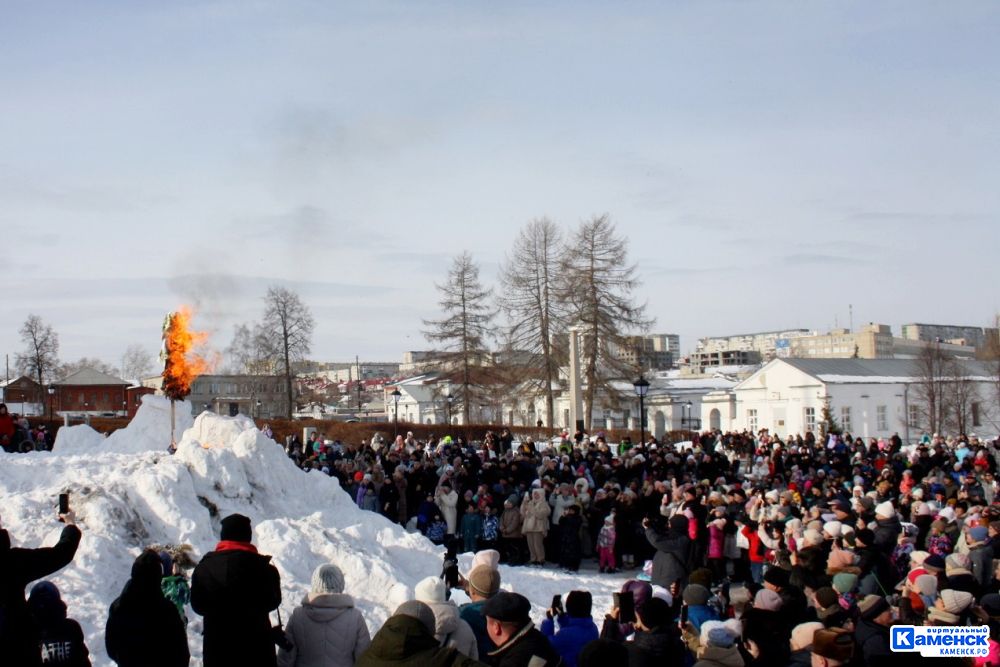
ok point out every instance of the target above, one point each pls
(182, 364)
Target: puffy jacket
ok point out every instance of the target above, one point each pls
(886, 533)
(670, 561)
(536, 515)
(235, 589)
(527, 647)
(873, 641)
(325, 631)
(559, 503)
(662, 646)
(716, 541)
(448, 504)
(18, 568)
(451, 630)
(573, 634)
(404, 640)
(472, 614)
(510, 523)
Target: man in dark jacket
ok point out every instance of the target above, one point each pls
(235, 589)
(657, 640)
(407, 638)
(508, 622)
(144, 628)
(672, 550)
(19, 567)
(872, 632)
(61, 640)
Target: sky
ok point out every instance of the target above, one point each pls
(772, 164)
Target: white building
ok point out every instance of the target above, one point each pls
(867, 397)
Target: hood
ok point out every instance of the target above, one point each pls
(445, 617)
(729, 657)
(401, 637)
(659, 643)
(326, 607)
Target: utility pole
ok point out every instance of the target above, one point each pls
(357, 364)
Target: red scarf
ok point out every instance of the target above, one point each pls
(232, 545)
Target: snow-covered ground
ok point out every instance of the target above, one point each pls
(129, 493)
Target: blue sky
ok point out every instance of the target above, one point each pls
(770, 163)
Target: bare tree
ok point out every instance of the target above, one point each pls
(963, 395)
(598, 286)
(286, 335)
(530, 298)
(464, 329)
(248, 352)
(94, 363)
(137, 362)
(40, 357)
(931, 387)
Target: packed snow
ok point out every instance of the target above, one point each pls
(128, 493)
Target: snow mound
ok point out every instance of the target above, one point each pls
(128, 493)
(149, 431)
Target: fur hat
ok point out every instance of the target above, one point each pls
(418, 610)
(977, 535)
(834, 644)
(484, 580)
(430, 589)
(488, 557)
(812, 537)
(839, 559)
(720, 634)
(885, 510)
(327, 578)
(956, 602)
(767, 599)
(917, 558)
(802, 635)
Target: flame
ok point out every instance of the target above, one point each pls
(181, 363)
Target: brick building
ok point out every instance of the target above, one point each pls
(90, 392)
(23, 396)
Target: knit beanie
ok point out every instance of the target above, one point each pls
(767, 599)
(484, 580)
(844, 582)
(695, 594)
(955, 562)
(487, 557)
(720, 634)
(917, 558)
(579, 604)
(236, 528)
(826, 597)
(955, 601)
(839, 559)
(326, 579)
(832, 528)
(812, 537)
(941, 617)
(430, 589)
(977, 535)
(802, 635)
(871, 606)
(777, 576)
(885, 510)
(926, 584)
(419, 611)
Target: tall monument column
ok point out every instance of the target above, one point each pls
(575, 388)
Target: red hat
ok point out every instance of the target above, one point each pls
(358, 476)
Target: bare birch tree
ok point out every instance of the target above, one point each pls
(598, 285)
(464, 330)
(285, 335)
(530, 298)
(40, 357)
(931, 387)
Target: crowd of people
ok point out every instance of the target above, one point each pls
(743, 550)
(18, 435)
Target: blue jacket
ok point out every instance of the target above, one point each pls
(472, 613)
(574, 633)
(699, 613)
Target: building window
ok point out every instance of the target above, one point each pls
(82, 399)
(914, 415)
(881, 418)
(752, 420)
(845, 418)
(810, 419)
(976, 416)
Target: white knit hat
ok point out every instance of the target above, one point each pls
(885, 510)
(327, 578)
(813, 537)
(802, 635)
(430, 589)
(832, 528)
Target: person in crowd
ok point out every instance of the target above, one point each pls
(801, 643)
(576, 626)
(511, 538)
(19, 638)
(175, 585)
(518, 643)
(235, 589)
(144, 628)
(60, 638)
(832, 647)
(325, 630)
(483, 583)
(449, 628)
(535, 511)
(670, 564)
(872, 630)
(446, 499)
(490, 532)
(570, 548)
(407, 639)
(606, 546)
(472, 527)
(657, 640)
(717, 645)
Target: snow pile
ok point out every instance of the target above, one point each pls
(129, 493)
(149, 431)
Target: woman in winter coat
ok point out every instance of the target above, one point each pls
(449, 629)
(144, 628)
(447, 501)
(326, 630)
(511, 539)
(672, 549)
(535, 511)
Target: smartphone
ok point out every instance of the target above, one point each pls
(684, 615)
(63, 503)
(626, 607)
(557, 603)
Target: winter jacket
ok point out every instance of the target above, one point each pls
(510, 523)
(670, 561)
(235, 589)
(536, 515)
(491, 528)
(569, 538)
(18, 568)
(713, 656)
(403, 640)
(656, 648)
(325, 631)
(699, 613)
(873, 641)
(606, 538)
(451, 630)
(472, 614)
(559, 503)
(800, 658)
(756, 551)
(981, 558)
(448, 504)
(61, 641)
(144, 628)
(527, 647)
(886, 534)
(573, 634)
(472, 526)
(716, 541)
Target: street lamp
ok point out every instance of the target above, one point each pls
(395, 412)
(258, 409)
(52, 391)
(641, 388)
(687, 409)
(449, 398)
(125, 409)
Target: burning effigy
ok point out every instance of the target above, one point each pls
(181, 362)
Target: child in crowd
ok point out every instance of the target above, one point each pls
(472, 527)
(606, 545)
(437, 529)
(491, 529)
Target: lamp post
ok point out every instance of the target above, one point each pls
(395, 412)
(687, 409)
(125, 409)
(641, 388)
(258, 408)
(52, 391)
(449, 399)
